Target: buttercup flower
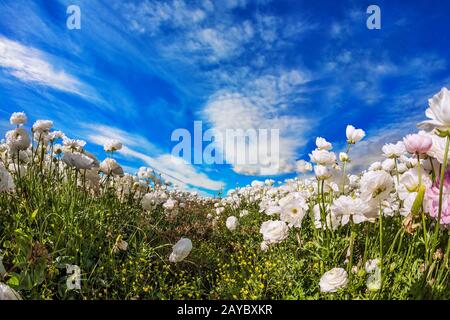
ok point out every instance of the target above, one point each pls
(431, 201)
(391, 150)
(17, 140)
(303, 166)
(346, 207)
(417, 144)
(354, 135)
(110, 166)
(18, 118)
(112, 145)
(322, 172)
(438, 112)
(232, 223)
(181, 250)
(42, 126)
(293, 212)
(333, 280)
(376, 185)
(78, 160)
(322, 157)
(343, 157)
(323, 144)
(274, 231)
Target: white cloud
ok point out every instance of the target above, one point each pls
(175, 170)
(171, 168)
(31, 65)
(227, 111)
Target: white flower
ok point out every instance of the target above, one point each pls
(54, 135)
(322, 172)
(293, 212)
(78, 160)
(232, 223)
(333, 280)
(388, 165)
(438, 149)
(375, 166)
(42, 126)
(376, 185)
(257, 184)
(346, 207)
(169, 204)
(110, 166)
(343, 156)
(243, 213)
(120, 245)
(8, 293)
(303, 166)
(6, 180)
(391, 150)
(438, 112)
(181, 250)
(322, 157)
(371, 265)
(264, 246)
(373, 282)
(112, 145)
(274, 231)
(354, 135)
(323, 144)
(73, 144)
(18, 118)
(17, 140)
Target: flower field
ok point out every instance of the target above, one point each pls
(74, 227)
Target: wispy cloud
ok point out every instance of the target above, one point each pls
(171, 168)
(31, 65)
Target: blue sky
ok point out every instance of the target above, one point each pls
(137, 70)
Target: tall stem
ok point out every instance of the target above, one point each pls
(424, 224)
(441, 187)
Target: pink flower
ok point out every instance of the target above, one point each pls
(432, 200)
(417, 144)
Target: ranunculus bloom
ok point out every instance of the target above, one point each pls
(354, 135)
(293, 212)
(78, 160)
(391, 150)
(333, 280)
(110, 166)
(438, 112)
(417, 144)
(181, 250)
(18, 118)
(322, 172)
(232, 223)
(274, 231)
(303, 166)
(112, 145)
(376, 185)
(17, 140)
(322, 157)
(323, 144)
(431, 201)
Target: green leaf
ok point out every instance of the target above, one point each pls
(417, 205)
(34, 214)
(13, 281)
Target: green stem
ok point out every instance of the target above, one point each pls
(441, 187)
